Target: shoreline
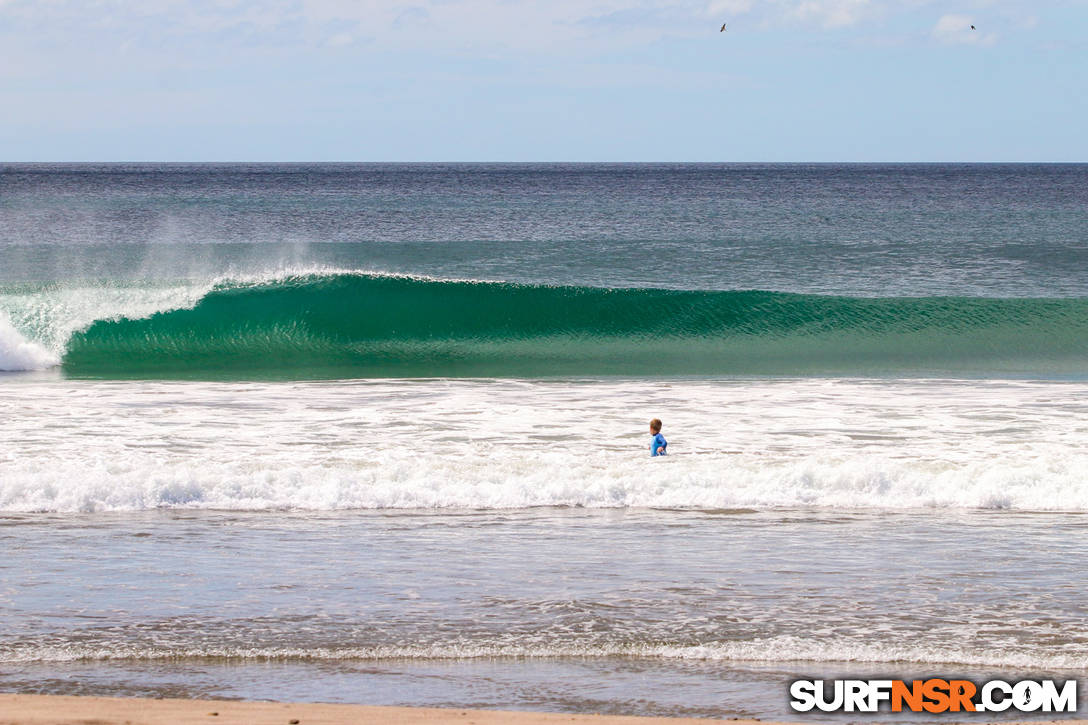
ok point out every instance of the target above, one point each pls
(17, 709)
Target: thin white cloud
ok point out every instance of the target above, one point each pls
(728, 8)
(954, 29)
(475, 27)
(831, 13)
(340, 40)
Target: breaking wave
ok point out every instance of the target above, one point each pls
(352, 324)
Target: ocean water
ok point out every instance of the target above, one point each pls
(377, 433)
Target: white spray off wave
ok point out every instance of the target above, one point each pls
(18, 354)
(37, 322)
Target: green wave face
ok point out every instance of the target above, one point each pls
(352, 325)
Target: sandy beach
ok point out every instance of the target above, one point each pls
(62, 710)
(68, 710)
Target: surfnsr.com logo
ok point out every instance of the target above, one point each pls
(933, 695)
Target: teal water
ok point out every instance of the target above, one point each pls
(351, 325)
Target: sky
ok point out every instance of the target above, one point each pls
(543, 80)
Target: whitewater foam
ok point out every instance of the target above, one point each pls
(100, 446)
(17, 353)
(777, 649)
(432, 482)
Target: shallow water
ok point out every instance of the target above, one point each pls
(625, 611)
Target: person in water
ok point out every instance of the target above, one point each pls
(658, 444)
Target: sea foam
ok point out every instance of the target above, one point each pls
(17, 353)
(777, 649)
(89, 446)
(706, 482)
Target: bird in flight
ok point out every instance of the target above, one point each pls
(723, 28)
(972, 27)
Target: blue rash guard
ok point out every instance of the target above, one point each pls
(658, 442)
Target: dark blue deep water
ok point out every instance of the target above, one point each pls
(858, 229)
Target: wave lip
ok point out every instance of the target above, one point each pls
(367, 325)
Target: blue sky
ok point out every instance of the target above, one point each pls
(536, 80)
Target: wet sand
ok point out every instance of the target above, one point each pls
(67, 710)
